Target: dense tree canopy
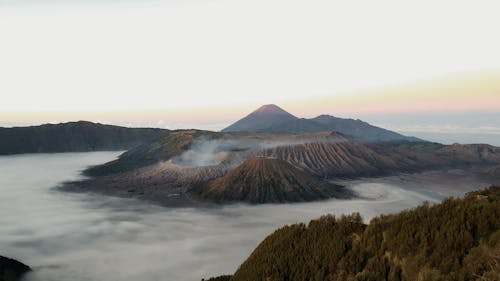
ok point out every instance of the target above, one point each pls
(458, 239)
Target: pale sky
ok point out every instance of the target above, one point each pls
(207, 62)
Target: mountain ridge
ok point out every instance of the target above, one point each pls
(78, 136)
(270, 119)
(457, 239)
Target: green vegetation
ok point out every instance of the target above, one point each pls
(458, 239)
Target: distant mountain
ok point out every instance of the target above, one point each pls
(73, 137)
(269, 180)
(273, 119)
(297, 126)
(458, 239)
(260, 119)
(360, 130)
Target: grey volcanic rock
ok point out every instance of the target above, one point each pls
(260, 119)
(494, 171)
(267, 180)
(334, 159)
(12, 270)
(73, 137)
(164, 183)
(340, 157)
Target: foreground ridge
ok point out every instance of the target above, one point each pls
(12, 270)
(458, 239)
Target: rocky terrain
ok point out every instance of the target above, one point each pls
(190, 166)
(161, 149)
(12, 270)
(268, 180)
(193, 166)
(74, 137)
(164, 182)
(170, 180)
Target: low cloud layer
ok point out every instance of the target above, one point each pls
(67, 236)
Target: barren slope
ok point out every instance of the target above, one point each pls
(266, 180)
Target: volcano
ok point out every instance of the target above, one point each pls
(268, 180)
(260, 119)
(273, 119)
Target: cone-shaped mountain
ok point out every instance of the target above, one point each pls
(260, 119)
(268, 180)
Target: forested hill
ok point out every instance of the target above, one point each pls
(458, 239)
(73, 137)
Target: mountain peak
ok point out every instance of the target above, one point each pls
(261, 118)
(269, 180)
(271, 108)
(270, 118)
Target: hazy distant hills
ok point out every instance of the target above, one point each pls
(458, 239)
(73, 136)
(88, 136)
(273, 119)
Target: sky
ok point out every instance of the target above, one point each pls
(419, 67)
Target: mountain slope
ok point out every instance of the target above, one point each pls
(335, 159)
(12, 270)
(266, 180)
(260, 119)
(166, 169)
(273, 119)
(161, 149)
(344, 158)
(297, 126)
(354, 129)
(360, 130)
(458, 239)
(73, 136)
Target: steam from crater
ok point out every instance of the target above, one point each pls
(209, 152)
